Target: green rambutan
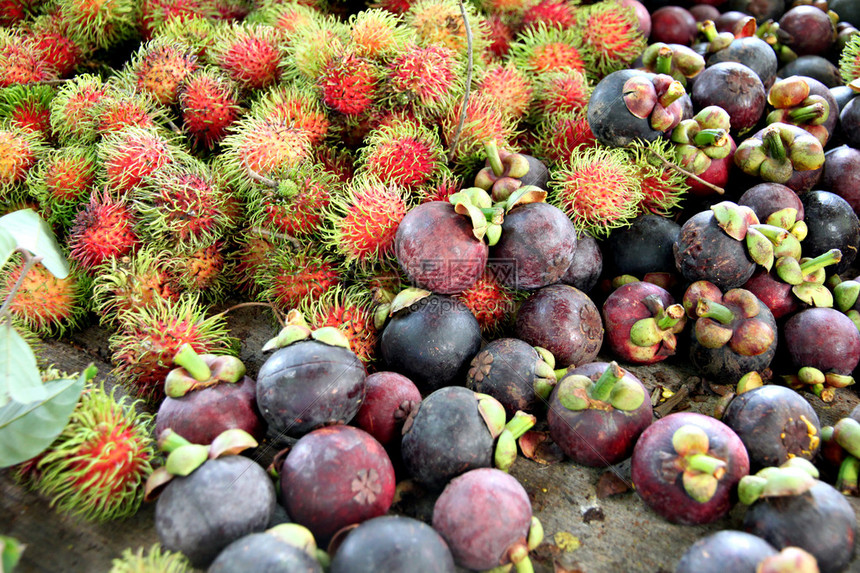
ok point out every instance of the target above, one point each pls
(559, 92)
(73, 108)
(131, 154)
(350, 310)
(440, 23)
(542, 49)
(403, 153)
(124, 284)
(61, 52)
(491, 302)
(208, 105)
(61, 181)
(45, 304)
(20, 150)
(558, 135)
(21, 60)
(101, 24)
(283, 15)
(509, 87)
(296, 104)
(181, 204)
(158, 14)
(663, 188)
(157, 560)
(292, 275)
(158, 68)
(295, 203)
(426, 78)
(502, 33)
(196, 30)
(312, 45)
(105, 228)
(348, 83)
(610, 35)
(364, 220)
(377, 33)
(849, 61)
(249, 54)
(97, 467)
(552, 13)
(484, 122)
(598, 188)
(149, 336)
(28, 107)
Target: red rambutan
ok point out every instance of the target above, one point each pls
(377, 33)
(208, 105)
(62, 180)
(424, 77)
(149, 336)
(403, 153)
(484, 122)
(155, 14)
(559, 134)
(28, 107)
(283, 15)
(96, 468)
(336, 160)
(501, 28)
(348, 83)
(509, 87)
(440, 189)
(610, 35)
(252, 251)
(101, 24)
(20, 151)
(121, 108)
(559, 92)
(440, 23)
(197, 31)
(61, 52)
(158, 68)
(849, 60)
(663, 188)
(543, 49)
(312, 45)
(249, 54)
(104, 228)
(21, 59)
(491, 302)
(203, 270)
(598, 188)
(364, 220)
(14, 11)
(350, 310)
(296, 105)
(73, 108)
(291, 276)
(552, 13)
(394, 6)
(131, 154)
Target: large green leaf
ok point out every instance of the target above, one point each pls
(19, 374)
(10, 553)
(34, 234)
(26, 430)
(7, 246)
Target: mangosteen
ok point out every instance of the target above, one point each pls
(704, 147)
(643, 247)
(761, 10)
(673, 25)
(285, 547)
(311, 380)
(813, 66)
(686, 466)
(804, 102)
(394, 544)
(849, 122)
(334, 477)
(430, 339)
(782, 153)
(769, 197)
(842, 174)
(809, 28)
(506, 171)
(389, 399)
(735, 88)
(752, 52)
(587, 264)
(831, 224)
(727, 550)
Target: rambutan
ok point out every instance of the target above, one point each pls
(484, 122)
(440, 23)
(283, 15)
(292, 275)
(295, 204)
(157, 560)
(252, 250)
(249, 54)
(297, 105)
(181, 204)
(491, 302)
(28, 107)
(348, 83)
(59, 50)
(121, 108)
(558, 135)
(131, 154)
(312, 45)
(610, 35)
(377, 33)
(45, 304)
(124, 284)
(350, 310)
(208, 105)
(509, 87)
(21, 60)
(598, 188)
(440, 189)
(14, 11)
(542, 49)
(101, 24)
(559, 92)
(552, 13)
(403, 153)
(158, 68)
(73, 108)
(663, 188)
(197, 31)
(149, 336)
(336, 160)
(105, 228)
(157, 14)
(849, 61)
(364, 220)
(202, 270)
(394, 6)
(502, 33)
(96, 468)
(426, 78)
(61, 181)
(20, 151)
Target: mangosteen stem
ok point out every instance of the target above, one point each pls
(831, 257)
(469, 65)
(670, 317)
(192, 362)
(709, 30)
(169, 440)
(848, 480)
(664, 60)
(711, 309)
(807, 114)
(690, 174)
(492, 151)
(519, 556)
(706, 464)
(772, 141)
(675, 91)
(603, 387)
(711, 136)
(520, 424)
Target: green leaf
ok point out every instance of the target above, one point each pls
(19, 374)
(31, 232)
(26, 430)
(7, 246)
(10, 553)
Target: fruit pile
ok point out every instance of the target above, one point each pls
(468, 220)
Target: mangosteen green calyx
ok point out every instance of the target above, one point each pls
(284, 547)
(676, 60)
(312, 379)
(778, 152)
(795, 105)
(846, 434)
(506, 171)
(846, 298)
(703, 147)
(196, 371)
(209, 495)
(790, 506)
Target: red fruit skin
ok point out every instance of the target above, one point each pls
(334, 477)
(622, 309)
(389, 398)
(717, 174)
(481, 514)
(597, 438)
(437, 250)
(201, 415)
(663, 491)
(775, 294)
(642, 15)
(821, 338)
(673, 25)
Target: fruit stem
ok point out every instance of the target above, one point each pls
(807, 113)
(469, 65)
(492, 151)
(187, 358)
(520, 424)
(519, 556)
(169, 441)
(664, 60)
(708, 29)
(772, 141)
(831, 257)
(706, 464)
(711, 309)
(849, 476)
(675, 90)
(690, 174)
(711, 136)
(603, 387)
(670, 317)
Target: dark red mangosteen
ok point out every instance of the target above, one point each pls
(389, 399)
(813, 66)
(646, 246)
(486, 518)
(506, 171)
(734, 87)
(284, 547)
(704, 147)
(804, 102)
(673, 25)
(751, 51)
(761, 10)
(810, 30)
(831, 224)
(586, 266)
(206, 395)
(842, 174)
(334, 477)
(311, 380)
(686, 466)
(597, 413)
(782, 153)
